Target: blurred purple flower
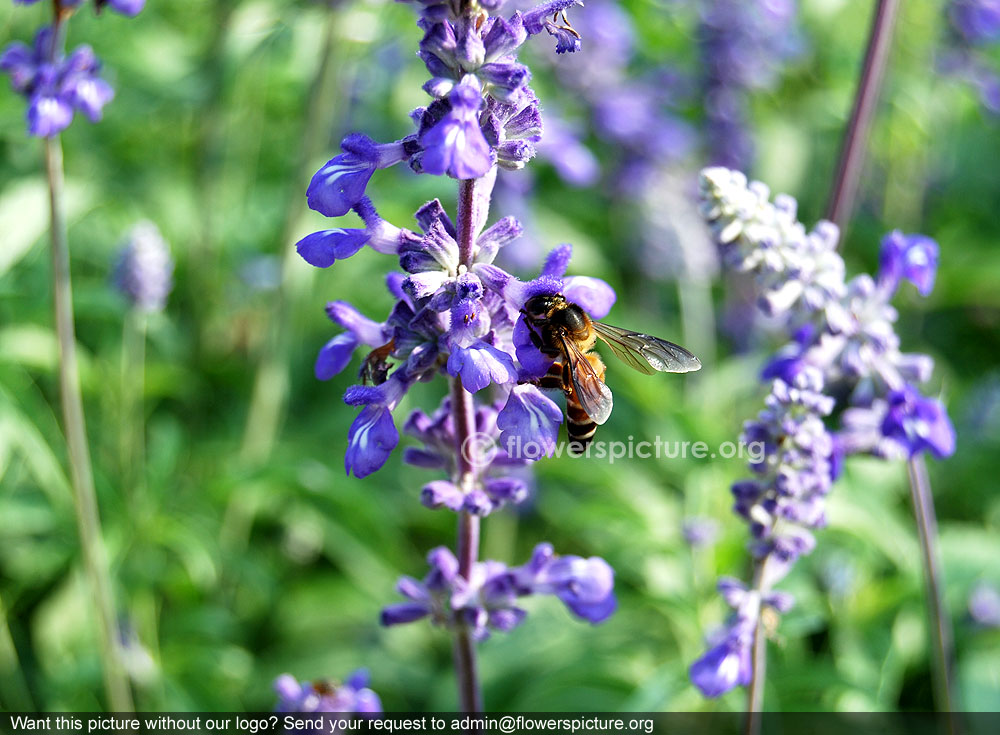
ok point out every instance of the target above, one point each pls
(55, 86)
(325, 696)
(143, 272)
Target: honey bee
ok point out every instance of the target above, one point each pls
(563, 330)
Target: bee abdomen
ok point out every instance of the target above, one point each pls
(579, 426)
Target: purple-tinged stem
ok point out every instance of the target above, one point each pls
(937, 611)
(463, 411)
(839, 212)
(852, 153)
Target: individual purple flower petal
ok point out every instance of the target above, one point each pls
(403, 612)
(586, 586)
(504, 37)
(373, 434)
(557, 261)
(442, 494)
(534, 364)
(480, 365)
(918, 423)
(700, 532)
(984, 605)
(913, 257)
(20, 64)
(594, 295)
(367, 331)
(90, 95)
(529, 423)
(341, 182)
(335, 355)
(324, 248)
(455, 145)
(722, 668)
(130, 8)
(48, 116)
(371, 439)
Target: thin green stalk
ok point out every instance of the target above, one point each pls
(133, 388)
(271, 382)
(755, 689)
(14, 692)
(937, 611)
(87, 518)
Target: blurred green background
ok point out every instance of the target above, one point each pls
(235, 561)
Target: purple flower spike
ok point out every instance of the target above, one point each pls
(144, 270)
(455, 145)
(325, 696)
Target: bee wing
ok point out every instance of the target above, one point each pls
(646, 353)
(594, 396)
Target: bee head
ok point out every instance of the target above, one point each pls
(541, 306)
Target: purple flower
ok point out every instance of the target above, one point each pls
(723, 667)
(699, 532)
(487, 600)
(55, 88)
(586, 586)
(480, 365)
(341, 182)
(529, 423)
(984, 605)
(546, 17)
(322, 249)
(918, 424)
(335, 354)
(913, 257)
(978, 21)
(130, 8)
(455, 145)
(325, 696)
(373, 435)
(144, 270)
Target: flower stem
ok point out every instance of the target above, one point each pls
(839, 212)
(464, 413)
(854, 147)
(469, 696)
(84, 495)
(937, 611)
(758, 667)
